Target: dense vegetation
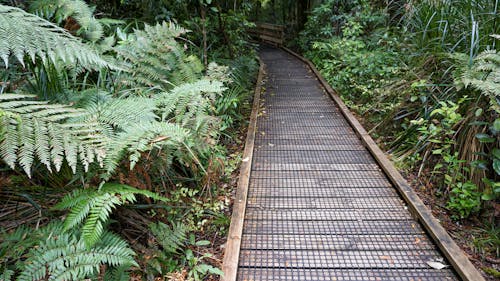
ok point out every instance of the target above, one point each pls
(425, 76)
(121, 121)
(119, 135)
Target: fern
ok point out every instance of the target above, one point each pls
(22, 33)
(116, 114)
(153, 58)
(49, 253)
(171, 239)
(119, 273)
(32, 129)
(190, 104)
(95, 207)
(65, 257)
(144, 137)
(61, 10)
(483, 75)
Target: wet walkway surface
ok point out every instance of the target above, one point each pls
(319, 206)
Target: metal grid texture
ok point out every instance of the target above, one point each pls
(342, 274)
(317, 192)
(345, 214)
(319, 207)
(338, 242)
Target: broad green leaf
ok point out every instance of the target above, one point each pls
(496, 153)
(484, 138)
(202, 243)
(496, 125)
(496, 166)
(487, 197)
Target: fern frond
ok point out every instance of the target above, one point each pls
(61, 10)
(483, 75)
(119, 113)
(24, 34)
(93, 207)
(172, 238)
(33, 129)
(153, 58)
(119, 273)
(63, 256)
(143, 137)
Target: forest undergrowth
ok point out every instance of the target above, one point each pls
(121, 134)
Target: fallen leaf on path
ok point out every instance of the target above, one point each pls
(436, 265)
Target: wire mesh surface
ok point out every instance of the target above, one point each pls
(319, 207)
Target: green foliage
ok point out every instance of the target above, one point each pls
(451, 26)
(176, 245)
(33, 129)
(359, 69)
(329, 18)
(60, 11)
(465, 199)
(151, 123)
(154, 60)
(24, 34)
(49, 253)
(483, 75)
(95, 207)
(170, 239)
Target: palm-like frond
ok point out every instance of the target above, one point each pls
(32, 129)
(22, 33)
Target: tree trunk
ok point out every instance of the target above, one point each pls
(222, 30)
(203, 14)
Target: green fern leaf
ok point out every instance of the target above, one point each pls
(62, 256)
(93, 207)
(34, 130)
(172, 238)
(23, 34)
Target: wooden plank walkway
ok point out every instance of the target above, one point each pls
(319, 206)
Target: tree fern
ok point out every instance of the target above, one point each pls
(95, 207)
(23, 34)
(34, 129)
(153, 58)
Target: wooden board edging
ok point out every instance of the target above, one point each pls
(232, 251)
(446, 244)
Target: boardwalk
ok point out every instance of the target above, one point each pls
(319, 207)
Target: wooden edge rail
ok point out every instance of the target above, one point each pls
(232, 251)
(450, 249)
